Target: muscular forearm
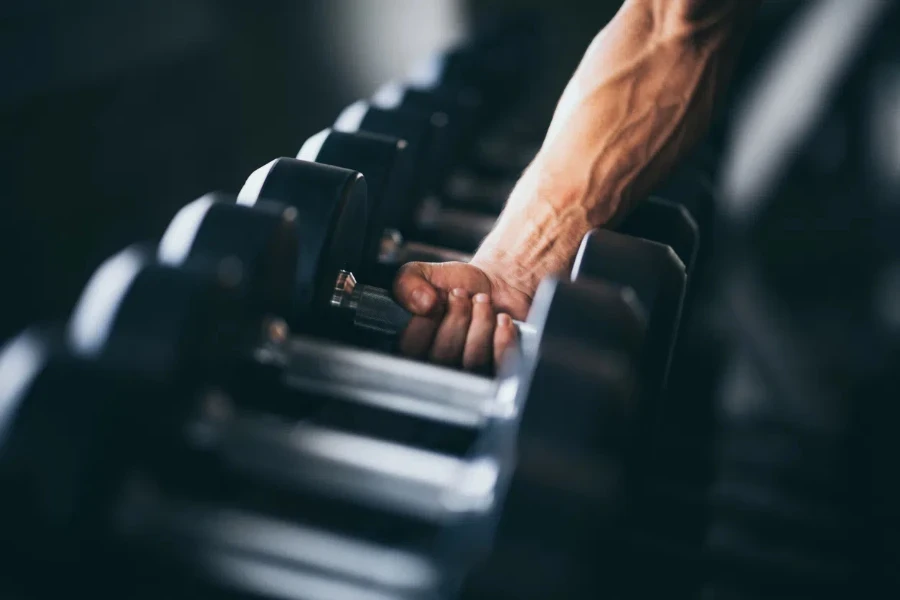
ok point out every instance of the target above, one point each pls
(641, 97)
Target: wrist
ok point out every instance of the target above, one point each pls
(537, 235)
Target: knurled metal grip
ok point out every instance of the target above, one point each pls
(367, 307)
(377, 311)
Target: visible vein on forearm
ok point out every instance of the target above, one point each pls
(633, 141)
(641, 96)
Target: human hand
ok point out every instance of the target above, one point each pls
(462, 313)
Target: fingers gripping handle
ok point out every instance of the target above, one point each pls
(373, 309)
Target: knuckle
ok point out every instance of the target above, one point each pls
(410, 272)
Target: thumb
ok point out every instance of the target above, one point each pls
(414, 291)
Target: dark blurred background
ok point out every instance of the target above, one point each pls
(114, 114)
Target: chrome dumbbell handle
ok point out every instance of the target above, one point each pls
(370, 308)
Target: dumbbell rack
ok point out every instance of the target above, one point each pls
(673, 521)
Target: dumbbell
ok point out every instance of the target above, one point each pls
(662, 288)
(350, 378)
(662, 297)
(130, 482)
(333, 202)
(654, 219)
(435, 88)
(658, 277)
(442, 223)
(470, 183)
(685, 442)
(61, 447)
(430, 150)
(459, 106)
(639, 482)
(318, 468)
(467, 185)
(652, 269)
(129, 339)
(657, 220)
(311, 371)
(269, 246)
(386, 164)
(426, 136)
(665, 222)
(215, 224)
(382, 163)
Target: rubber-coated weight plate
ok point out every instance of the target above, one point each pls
(460, 105)
(331, 221)
(263, 238)
(668, 223)
(658, 277)
(568, 487)
(422, 132)
(386, 164)
(591, 337)
(156, 320)
(68, 429)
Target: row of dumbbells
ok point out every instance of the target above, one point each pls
(223, 410)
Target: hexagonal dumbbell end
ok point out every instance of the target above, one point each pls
(161, 321)
(69, 427)
(263, 241)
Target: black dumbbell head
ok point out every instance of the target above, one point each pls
(665, 222)
(591, 336)
(463, 107)
(63, 442)
(658, 278)
(387, 166)
(363, 116)
(575, 407)
(331, 220)
(426, 135)
(158, 321)
(262, 238)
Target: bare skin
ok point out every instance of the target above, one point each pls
(640, 99)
